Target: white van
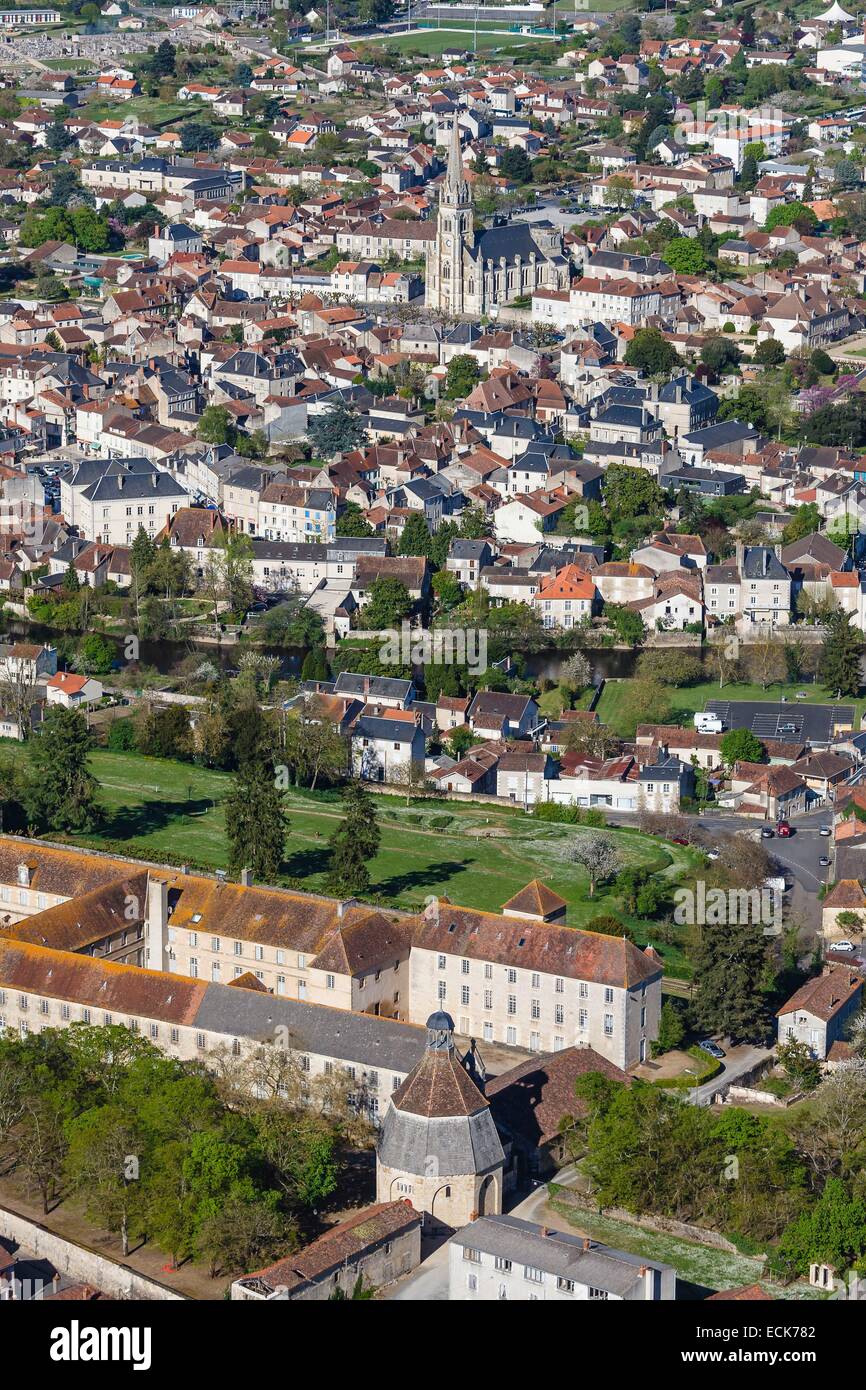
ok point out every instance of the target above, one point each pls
(708, 724)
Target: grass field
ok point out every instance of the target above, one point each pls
(700, 1266)
(687, 700)
(432, 42)
(155, 808)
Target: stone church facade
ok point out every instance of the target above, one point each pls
(469, 272)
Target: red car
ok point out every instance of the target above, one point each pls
(784, 829)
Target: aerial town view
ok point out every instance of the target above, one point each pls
(433, 663)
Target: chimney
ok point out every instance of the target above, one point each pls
(343, 907)
(157, 922)
(418, 719)
(366, 686)
(120, 480)
(247, 878)
(154, 479)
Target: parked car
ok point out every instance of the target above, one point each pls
(824, 861)
(713, 853)
(767, 832)
(845, 946)
(784, 829)
(826, 830)
(707, 1045)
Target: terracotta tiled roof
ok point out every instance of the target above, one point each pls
(581, 955)
(536, 898)
(826, 994)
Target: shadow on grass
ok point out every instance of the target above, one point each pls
(421, 878)
(306, 862)
(129, 822)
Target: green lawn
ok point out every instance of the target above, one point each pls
(700, 1266)
(155, 808)
(430, 42)
(688, 700)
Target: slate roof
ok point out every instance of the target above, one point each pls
(558, 1253)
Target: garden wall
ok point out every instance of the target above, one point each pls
(82, 1264)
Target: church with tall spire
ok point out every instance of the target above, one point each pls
(469, 272)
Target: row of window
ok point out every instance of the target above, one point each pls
(511, 977)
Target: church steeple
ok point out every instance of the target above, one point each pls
(455, 188)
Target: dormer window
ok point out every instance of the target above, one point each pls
(24, 875)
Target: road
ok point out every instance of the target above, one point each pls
(798, 855)
(738, 1061)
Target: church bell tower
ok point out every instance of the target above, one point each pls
(454, 231)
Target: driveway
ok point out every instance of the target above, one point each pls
(738, 1061)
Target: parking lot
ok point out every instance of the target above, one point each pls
(788, 721)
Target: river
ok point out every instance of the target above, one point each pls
(165, 656)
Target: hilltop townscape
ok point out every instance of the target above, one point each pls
(432, 620)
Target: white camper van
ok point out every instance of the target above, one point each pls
(708, 724)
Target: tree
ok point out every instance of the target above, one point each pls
(626, 623)
(337, 431)
(805, 521)
(515, 164)
(315, 665)
(215, 425)
(446, 587)
(839, 663)
(352, 522)
(605, 924)
(162, 64)
(198, 135)
(619, 191)
(630, 492)
(101, 1143)
(741, 746)
(719, 353)
(847, 174)
(650, 351)
(256, 822)
(90, 230)
(416, 538)
(686, 256)
(793, 214)
(61, 794)
(796, 1060)
(463, 373)
(769, 353)
(671, 667)
(354, 842)
(672, 1030)
(388, 603)
(96, 656)
(166, 733)
(831, 1232)
(228, 572)
(764, 661)
(730, 961)
(18, 693)
(598, 854)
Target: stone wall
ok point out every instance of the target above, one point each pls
(82, 1264)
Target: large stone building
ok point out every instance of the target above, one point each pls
(439, 1147)
(471, 272)
(523, 979)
